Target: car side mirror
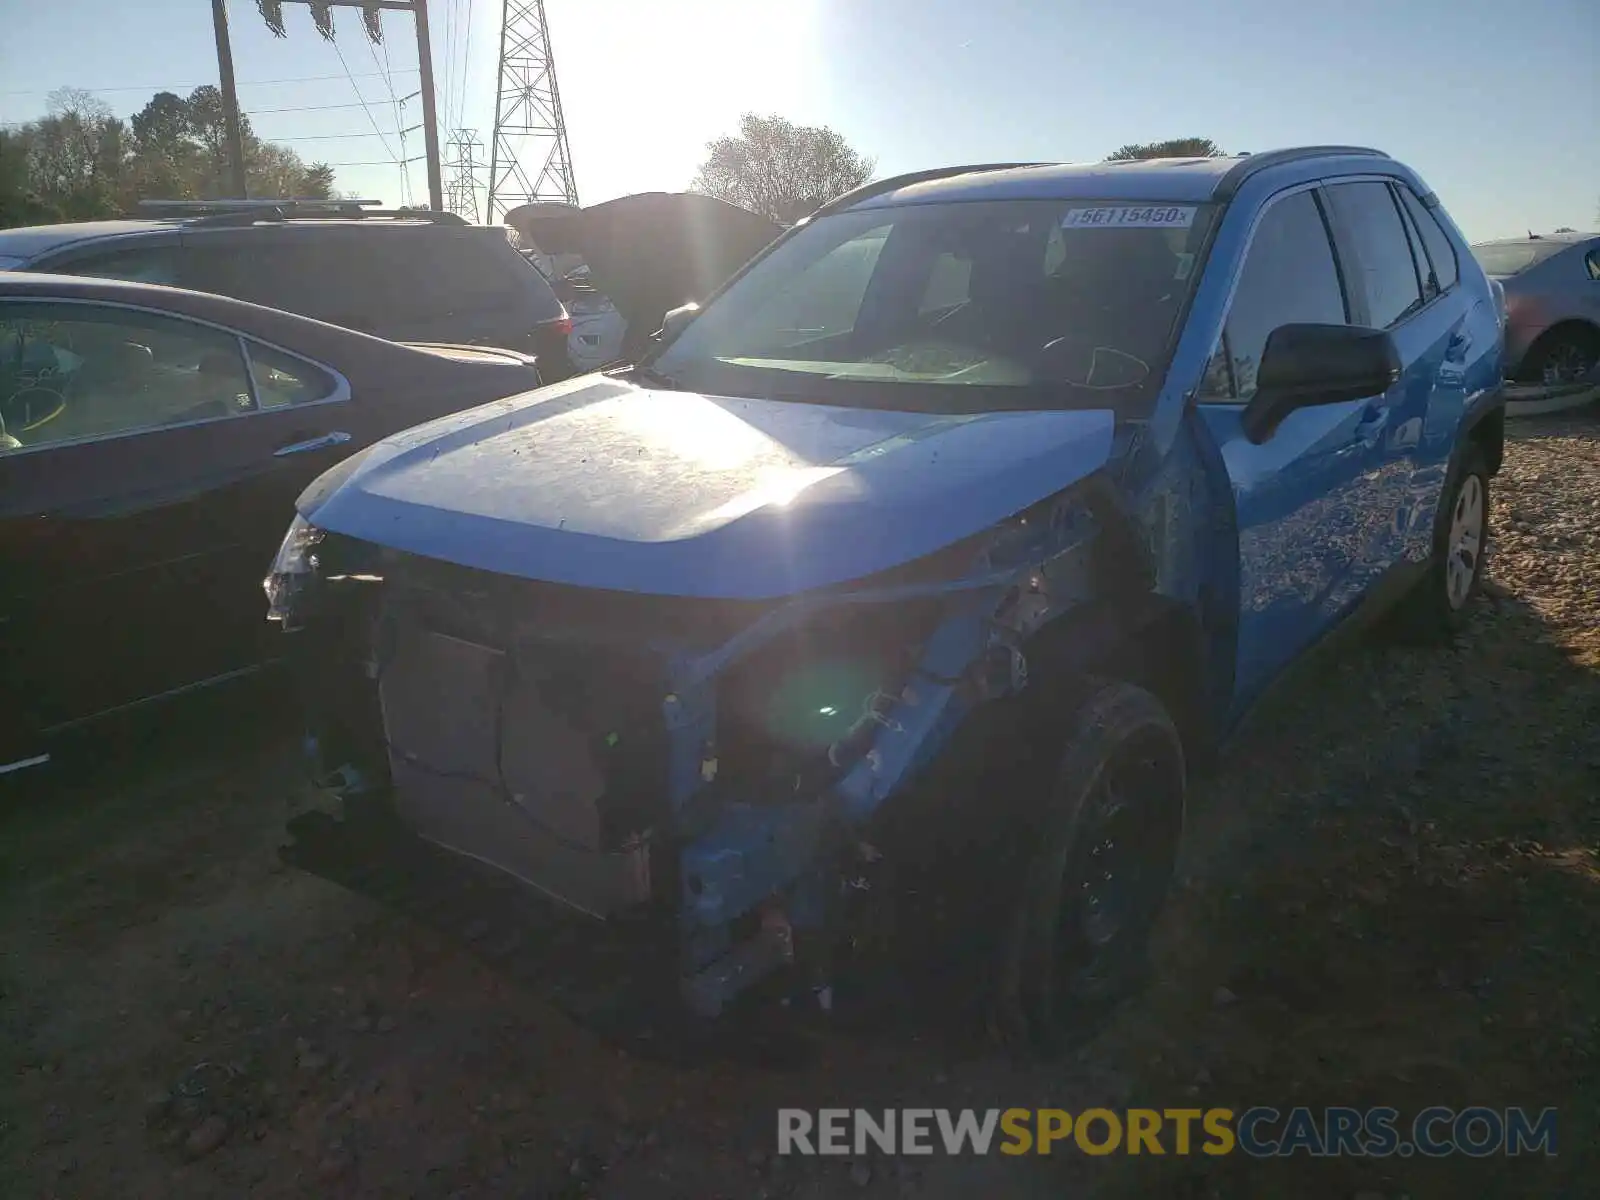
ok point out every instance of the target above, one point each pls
(1307, 365)
(673, 323)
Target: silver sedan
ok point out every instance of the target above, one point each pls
(1552, 294)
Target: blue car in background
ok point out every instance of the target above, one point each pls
(903, 583)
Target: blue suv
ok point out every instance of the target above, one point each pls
(905, 581)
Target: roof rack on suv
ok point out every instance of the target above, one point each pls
(196, 208)
(1250, 164)
(248, 212)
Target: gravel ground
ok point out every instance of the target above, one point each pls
(1390, 896)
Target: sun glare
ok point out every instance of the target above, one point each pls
(702, 432)
(646, 86)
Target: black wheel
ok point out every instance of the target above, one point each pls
(1561, 356)
(1104, 852)
(1438, 608)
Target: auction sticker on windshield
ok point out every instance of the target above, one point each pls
(1130, 217)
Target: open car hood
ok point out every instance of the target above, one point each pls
(599, 483)
(653, 251)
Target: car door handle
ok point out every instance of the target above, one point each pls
(1458, 346)
(336, 438)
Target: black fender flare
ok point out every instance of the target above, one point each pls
(1144, 638)
(1486, 429)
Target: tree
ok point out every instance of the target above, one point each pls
(75, 155)
(208, 124)
(778, 169)
(166, 156)
(1171, 148)
(317, 182)
(82, 161)
(19, 203)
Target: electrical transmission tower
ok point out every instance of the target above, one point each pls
(529, 159)
(464, 158)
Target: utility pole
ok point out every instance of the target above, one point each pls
(230, 99)
(430, 119)
(371, 12)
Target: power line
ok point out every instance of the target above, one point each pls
(449, 56)
(406, 195)
(261, 112)
(400, 133)
(387, 149)
(318, 137)
(466, 66)
(382, 162)
(167, 87)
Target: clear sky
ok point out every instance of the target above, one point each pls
(1497, 104)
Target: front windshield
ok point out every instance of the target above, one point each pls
(954, 307)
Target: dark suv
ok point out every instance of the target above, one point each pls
(403, 275)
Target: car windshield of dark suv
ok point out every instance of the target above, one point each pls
(954, 307)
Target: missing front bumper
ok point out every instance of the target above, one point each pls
(617, 979)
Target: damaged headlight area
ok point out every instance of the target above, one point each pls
(799, 710)
(292, 571)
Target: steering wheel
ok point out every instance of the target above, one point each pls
(29, 407)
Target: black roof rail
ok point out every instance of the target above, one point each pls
(434, 216)
(246, 217)
(1250, 164)
(879, 186)
(308, 213)
(200, 208)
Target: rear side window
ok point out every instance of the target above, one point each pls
(1380, 251)
(374, 279)
(1441, 250)
(282, 380)
(1289, 278)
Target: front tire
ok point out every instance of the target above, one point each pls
(1105, 845)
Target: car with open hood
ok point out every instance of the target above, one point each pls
(641, 256)
(988, 499)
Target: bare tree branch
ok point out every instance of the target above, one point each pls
(779, 169)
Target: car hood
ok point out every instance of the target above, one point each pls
(599, 483)
(652, 251)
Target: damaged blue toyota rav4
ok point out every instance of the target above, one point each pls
(904, 582)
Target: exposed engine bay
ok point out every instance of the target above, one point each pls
(710, 767)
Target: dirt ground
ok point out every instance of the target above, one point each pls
(1390, 896)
